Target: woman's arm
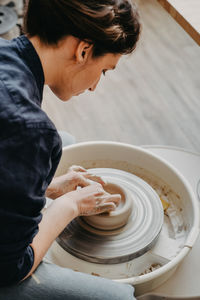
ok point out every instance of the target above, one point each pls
(86, 201)
(55, 218)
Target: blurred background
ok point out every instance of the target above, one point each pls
(153, 96)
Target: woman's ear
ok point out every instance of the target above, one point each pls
(83, 52)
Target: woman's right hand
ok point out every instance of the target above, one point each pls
(89, 200)
(93, 199)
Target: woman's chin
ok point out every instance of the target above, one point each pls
(62, 96)
(79, 93)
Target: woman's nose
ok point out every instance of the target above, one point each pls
(93, 87)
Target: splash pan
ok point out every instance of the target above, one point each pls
(175, 231)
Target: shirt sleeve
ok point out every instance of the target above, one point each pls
(28, 161)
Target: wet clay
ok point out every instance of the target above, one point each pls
(117, 218)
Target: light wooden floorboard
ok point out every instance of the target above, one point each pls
(153, 97)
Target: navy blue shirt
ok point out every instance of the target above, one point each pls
(30, 150)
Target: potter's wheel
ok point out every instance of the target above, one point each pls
(122, 244)
(181, 219)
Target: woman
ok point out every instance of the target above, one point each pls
(67, 45)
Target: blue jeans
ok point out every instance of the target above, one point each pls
(52, 282)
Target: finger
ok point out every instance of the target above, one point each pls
(77, 168)
(106, 207)
(99, 192)
(115, 198)
(94, 178)
(95, 189)
(83, 182)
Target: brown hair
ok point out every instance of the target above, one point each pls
(112, 26)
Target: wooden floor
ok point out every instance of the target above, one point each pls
(153, 97)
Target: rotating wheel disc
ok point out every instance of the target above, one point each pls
(125, 243)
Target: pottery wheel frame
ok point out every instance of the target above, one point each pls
(124, 244)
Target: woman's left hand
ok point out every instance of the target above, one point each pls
(75, 176)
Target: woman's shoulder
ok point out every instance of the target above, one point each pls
(21, 75)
